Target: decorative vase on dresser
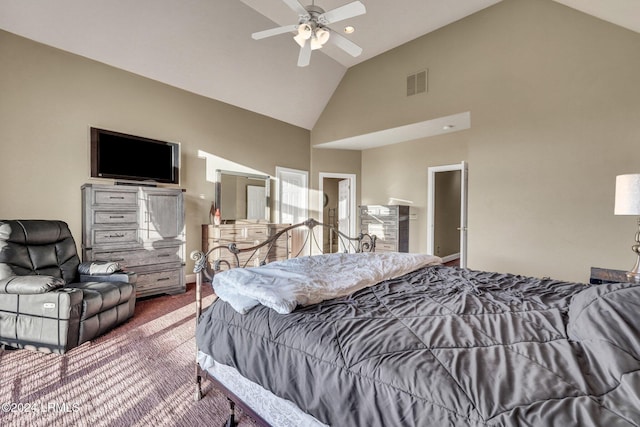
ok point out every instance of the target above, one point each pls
(142, 228)
(390, 225)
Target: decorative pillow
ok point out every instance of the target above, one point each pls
(607, 313)
(30, 284)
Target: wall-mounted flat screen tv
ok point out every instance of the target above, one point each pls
(125, 157)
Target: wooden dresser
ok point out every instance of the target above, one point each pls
(607, 275)
(142, 228)
(245, 235)
(390, 225)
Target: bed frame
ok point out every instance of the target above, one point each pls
(205, 272)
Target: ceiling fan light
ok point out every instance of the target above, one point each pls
(322, 35)
(315, 44)
(300, 40)
(304, 31)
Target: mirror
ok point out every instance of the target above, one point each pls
(242, 196)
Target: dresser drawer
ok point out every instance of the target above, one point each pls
(161, 282)
(140, 257)
(378, 211)
(377, 229)
(260, 233)
(380, 222)
(157, 280)
(240, 243)
(115, 217)
(108, 237)
(245, 258)
(229, 234)
(387, 234)
(237, 233)
(115, 198)
(386, 246)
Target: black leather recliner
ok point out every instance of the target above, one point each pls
(49, 301)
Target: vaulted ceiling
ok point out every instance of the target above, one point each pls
(205, 46)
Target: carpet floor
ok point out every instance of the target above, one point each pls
(139, 374)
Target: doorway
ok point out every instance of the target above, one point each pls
(447, 212)
(292, 191)
(337, 208)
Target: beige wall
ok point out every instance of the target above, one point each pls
(49, 98)
(400, 172)
(553, 95)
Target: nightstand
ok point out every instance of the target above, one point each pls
(606, 275)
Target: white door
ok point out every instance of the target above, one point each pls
(344, 201)
(464, 181)
(292, 195)
(292, 202)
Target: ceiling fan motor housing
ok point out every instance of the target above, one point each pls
(314, 17)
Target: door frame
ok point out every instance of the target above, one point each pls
(352, 203)
(463, 167)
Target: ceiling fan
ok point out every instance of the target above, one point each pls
(312, 32)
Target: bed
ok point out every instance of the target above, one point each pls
(433, 346)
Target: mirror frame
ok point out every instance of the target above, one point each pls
(267, 190)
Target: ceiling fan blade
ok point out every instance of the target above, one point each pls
(274, 32)
(343, 12)
(345, 44)
(297, 7)
(305, 54)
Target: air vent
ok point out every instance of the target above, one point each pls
(417, 83)
(411, 85)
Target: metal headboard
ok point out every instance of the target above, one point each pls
(362, 243)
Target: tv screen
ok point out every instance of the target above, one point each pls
(120, 156)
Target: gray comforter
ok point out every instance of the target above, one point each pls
(442, 347)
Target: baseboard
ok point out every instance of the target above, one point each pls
(448, 257)
(190, 278)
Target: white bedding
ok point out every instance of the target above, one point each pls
(284, 285)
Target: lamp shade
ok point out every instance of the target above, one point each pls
(627, 195)
(304, 33)
(322, 35)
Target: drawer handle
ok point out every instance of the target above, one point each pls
(163, 255)
(118, 260)
(115, 236)
(162, 279)
(117, 197)
(116, 216)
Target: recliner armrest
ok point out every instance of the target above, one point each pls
(30, 284)
(121, 276)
